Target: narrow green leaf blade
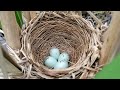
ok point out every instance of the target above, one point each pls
(18, 15)
(0, 25)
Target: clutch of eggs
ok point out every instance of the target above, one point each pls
(57, 60)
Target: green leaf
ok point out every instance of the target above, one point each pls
(0, 25)
(18, 15)
(111, 70)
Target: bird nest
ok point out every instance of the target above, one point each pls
(69, 33)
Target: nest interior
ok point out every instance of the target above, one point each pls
(68, 32)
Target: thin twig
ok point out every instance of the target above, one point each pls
(91, 69)
(94, 17)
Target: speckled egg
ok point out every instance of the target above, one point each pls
(63, 57)
(50, 61)
(54, 52)
(61, 65)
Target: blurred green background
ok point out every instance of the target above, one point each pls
(111, 70)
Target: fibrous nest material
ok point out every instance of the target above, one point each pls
(68, 32)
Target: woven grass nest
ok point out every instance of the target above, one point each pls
(68, 32)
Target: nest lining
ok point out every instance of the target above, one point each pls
(68, 32)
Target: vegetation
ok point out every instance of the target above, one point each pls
(111, 70)
(19, 18)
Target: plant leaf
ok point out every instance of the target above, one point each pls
(18, 15)
(111, 70)
(0, 25)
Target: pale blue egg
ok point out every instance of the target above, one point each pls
(61, 65)
(50, 61)
(54, 52)
(63, 57)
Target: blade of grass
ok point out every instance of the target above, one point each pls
(19, 18)
(111, 70)
(0, 25)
